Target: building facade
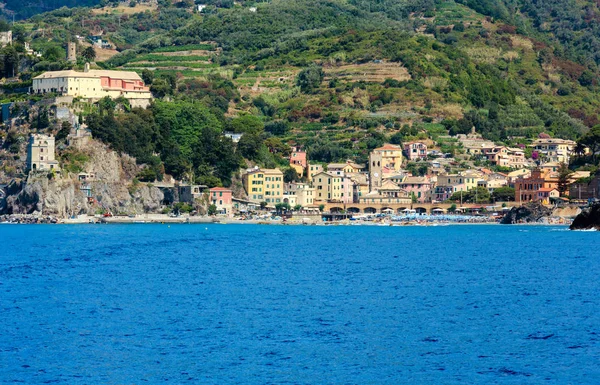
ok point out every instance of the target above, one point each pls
(527, 189)
(92, 84)
(222, 198)
(41, 153)
(554, 149)
(415, 150)
(328, 187)
(264, 185)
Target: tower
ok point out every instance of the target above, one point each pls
(375, 170)
(71, 52)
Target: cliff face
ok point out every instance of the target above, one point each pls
(530, 213)
(588, 219)
(111, 188)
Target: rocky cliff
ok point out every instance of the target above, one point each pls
(529, 213)
(111, 185)
(587, 219)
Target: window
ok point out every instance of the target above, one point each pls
(221, 194)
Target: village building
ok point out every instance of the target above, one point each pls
(391, 157)
(528, 189)
(6, 38)
(415, 150)
(492, 184)
(547, 196)
(190, 193)
(505, 156)
(298, 160)
(328, 187)
(314, 169)
(94, 84)
(417, 186)
(41, 153)
(303, 192)
(554, 149)
(344, 169)
(584, 189)
(387, 193)
(264, 185)
(447, 185)
(222, 198)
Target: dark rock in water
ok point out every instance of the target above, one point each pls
(528, 213)
(588, 219)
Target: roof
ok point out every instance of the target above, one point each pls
(547, 189)
(553, 141)
(388, 146)
(220, 189)
(124, 75)
(415, 180)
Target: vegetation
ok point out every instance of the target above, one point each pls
(337, 77)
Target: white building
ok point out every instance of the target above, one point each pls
(40, 153)
(5, 38)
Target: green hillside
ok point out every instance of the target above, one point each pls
(342, 77)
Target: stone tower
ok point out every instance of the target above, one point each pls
(71, 52)
(375, 170)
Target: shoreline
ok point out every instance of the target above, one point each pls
(297, 221)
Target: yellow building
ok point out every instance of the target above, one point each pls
(264, 185)
(554, 149)
(391, 157)
(328, 187)
(314, 169)
(92, 84)
(253, 181)
(273, 186)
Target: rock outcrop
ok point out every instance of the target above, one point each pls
(589, 218)
(533, 212)
(112, 189)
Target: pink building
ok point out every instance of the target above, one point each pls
(419, 186)
(222, 198)
(415, 150)
(347, 190)
(298, 157)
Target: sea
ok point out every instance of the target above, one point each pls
(267, 304)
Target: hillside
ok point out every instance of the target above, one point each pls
(338, 77)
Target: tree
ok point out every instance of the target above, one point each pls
(563, 178)
(89, 54)
(452, 208)
(212, 209)
(297, 207)
(246, 124)
(290, 175)
(107, 105)
(310, 78)
(249, 146)
(321, 207)
(504, 194)
(282, 207)
(263, 205)
(147, 77)
(65, 130)
(591, 140)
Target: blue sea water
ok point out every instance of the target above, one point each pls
(244, 304)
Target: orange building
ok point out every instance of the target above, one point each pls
(533, 188)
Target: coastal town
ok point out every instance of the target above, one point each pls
(382, 187)
(93, 141)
